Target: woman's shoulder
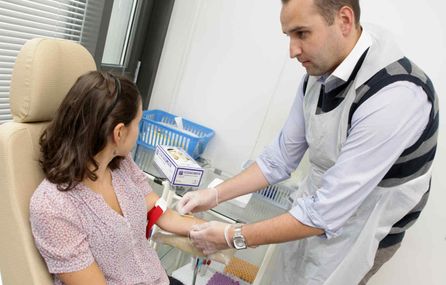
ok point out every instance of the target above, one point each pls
(48, 198)
(131, 173)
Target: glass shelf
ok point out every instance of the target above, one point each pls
(258, 208)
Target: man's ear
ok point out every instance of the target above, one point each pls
(118, 133)
(346, 18)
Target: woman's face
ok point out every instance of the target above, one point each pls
(131, 133)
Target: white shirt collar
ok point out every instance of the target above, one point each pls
(344, 70)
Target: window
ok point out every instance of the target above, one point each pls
(125, 36)
(22, 20)
(135, 39)
(119, 31)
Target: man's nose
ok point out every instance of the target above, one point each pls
(295, 48)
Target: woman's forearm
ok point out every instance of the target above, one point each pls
(175, 223)
(171, 221)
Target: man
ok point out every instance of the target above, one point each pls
(368, 118)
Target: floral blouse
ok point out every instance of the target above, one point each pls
(72, 229)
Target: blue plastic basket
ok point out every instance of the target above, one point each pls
(159, 127)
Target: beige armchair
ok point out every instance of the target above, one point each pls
(44, 71)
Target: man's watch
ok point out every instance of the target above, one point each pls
(238, 240)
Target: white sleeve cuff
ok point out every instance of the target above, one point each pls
(305, 213)
(272, 172)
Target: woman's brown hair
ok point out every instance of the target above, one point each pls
(84, 122)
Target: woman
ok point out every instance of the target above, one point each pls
(88, 216)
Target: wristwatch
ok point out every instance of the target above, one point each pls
(238, 240)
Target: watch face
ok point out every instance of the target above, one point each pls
(239, 243)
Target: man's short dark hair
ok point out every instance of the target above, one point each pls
(328, 8)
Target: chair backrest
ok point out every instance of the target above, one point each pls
(44, 71)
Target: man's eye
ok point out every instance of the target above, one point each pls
(302, 34)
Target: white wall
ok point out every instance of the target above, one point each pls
(219, 57)
(225, 65)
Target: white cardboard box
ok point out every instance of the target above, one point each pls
(178, 166)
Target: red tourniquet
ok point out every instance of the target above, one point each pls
(154, 214)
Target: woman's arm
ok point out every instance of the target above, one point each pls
(171, 221)
(90, 275)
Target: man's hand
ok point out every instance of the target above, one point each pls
(198, 201)
(209, 237)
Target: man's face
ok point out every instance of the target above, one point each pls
(313, 42)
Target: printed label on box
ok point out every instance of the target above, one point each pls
(178, 166)
(185, 177)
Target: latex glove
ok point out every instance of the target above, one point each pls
(197, 201)
(209, 237)
(185, 244)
